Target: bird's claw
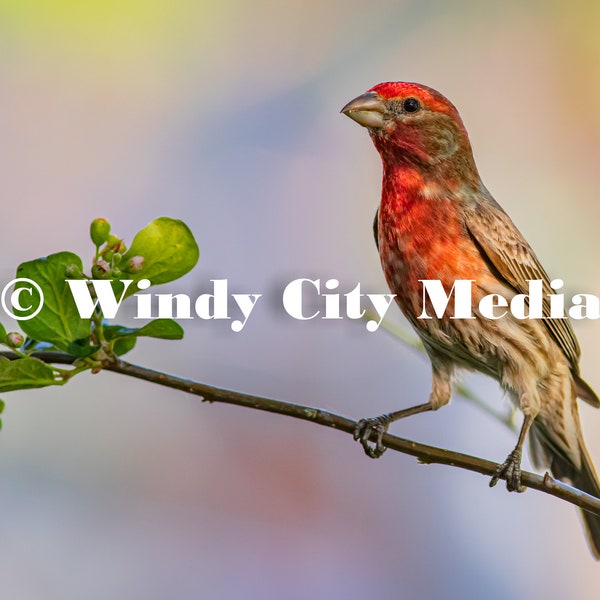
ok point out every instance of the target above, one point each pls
(370, 434)
(510, 470)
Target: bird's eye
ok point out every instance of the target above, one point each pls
(411, 105)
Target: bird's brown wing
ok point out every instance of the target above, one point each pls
(515, 262)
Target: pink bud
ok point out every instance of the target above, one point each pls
(14, 339)
(134, 264)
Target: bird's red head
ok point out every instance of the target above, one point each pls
(412, 123)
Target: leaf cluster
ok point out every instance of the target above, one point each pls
(161, 252)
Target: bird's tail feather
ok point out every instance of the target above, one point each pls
(545, 454)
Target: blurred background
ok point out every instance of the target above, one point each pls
(226, 115)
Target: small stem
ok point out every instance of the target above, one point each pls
(18, 353)
(67, 374)
(98, 326)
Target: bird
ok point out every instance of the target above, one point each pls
(437, 221)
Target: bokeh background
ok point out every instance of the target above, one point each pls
(226, 115)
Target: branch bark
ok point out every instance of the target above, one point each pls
(424, 453)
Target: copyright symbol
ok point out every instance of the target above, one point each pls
(23, 298)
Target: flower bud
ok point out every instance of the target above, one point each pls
(134, 264)
(14, 339)
(112, 241)
(73, 272)
(116, 244)
(100, 270)
(99, 231)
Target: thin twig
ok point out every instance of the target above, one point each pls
(424, 453)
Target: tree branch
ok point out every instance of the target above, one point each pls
(424, 453)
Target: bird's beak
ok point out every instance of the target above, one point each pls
(367, 110)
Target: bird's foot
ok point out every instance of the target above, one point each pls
(370, 434)
(510, 470)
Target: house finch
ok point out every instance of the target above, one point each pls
(437, 221)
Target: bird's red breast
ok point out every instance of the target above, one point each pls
(421, 236)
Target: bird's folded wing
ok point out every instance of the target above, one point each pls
(507, 250)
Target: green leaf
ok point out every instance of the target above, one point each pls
(2, 334)
(165, 329)
(26, 373)
(124, 345)
(82, 348)
(169, 251)
(58, 322)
